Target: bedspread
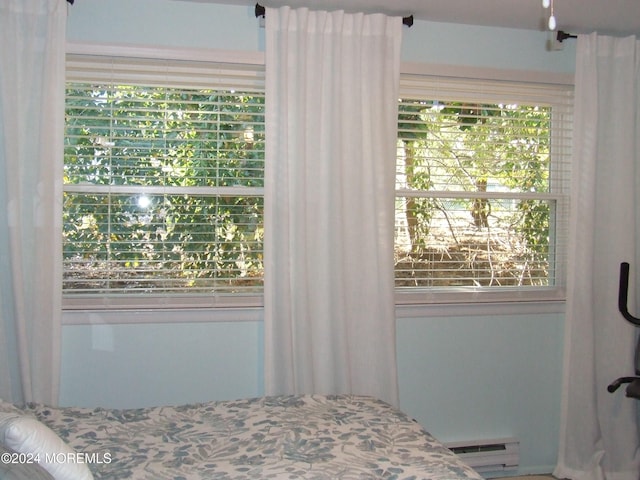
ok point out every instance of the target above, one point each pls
(283, 437)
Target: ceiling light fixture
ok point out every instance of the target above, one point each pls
(552, 18)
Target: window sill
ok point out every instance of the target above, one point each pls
(161, 309)
(250, 309)
(173, 315)
(473, 302)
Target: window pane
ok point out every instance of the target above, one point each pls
(461, 147)
(443, 242)
(476, 202)
(163, 190)
(136, 135)
(162, 243)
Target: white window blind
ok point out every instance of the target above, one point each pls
(163, 184)
(482, 187)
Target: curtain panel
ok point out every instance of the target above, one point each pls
(32, 57)
(599, 430)
(332, 92)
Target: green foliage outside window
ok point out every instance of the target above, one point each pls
(472, 207)
(163, 190)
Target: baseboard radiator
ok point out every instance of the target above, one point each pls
(488, 455)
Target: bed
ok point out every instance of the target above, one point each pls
(282, 437)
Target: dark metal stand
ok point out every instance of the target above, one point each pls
(633, 388)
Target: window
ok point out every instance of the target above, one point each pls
(163, 180)
(164, 169)
(481, 188)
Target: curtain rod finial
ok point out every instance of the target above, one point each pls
(562, 36)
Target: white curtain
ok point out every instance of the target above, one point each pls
(599, 433)
(332, 92)
(32, 45)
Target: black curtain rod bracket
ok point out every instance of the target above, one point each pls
(562, 36)
(71, 1)
(260, 11)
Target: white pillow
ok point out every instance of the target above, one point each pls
(6, 407)
(10, 470)
(27, 435)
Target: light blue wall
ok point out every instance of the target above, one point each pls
(445, 43)
(485, 377)
(463, 377)
(160, 364)
(174, 23)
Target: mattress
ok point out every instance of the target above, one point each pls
(282, 437)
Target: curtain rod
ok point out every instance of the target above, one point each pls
(261, 11)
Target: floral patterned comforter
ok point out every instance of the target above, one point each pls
(284, 437)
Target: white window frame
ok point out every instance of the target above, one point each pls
(151, 302)
(413, 75)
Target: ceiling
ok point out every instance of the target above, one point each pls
(612, 17)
